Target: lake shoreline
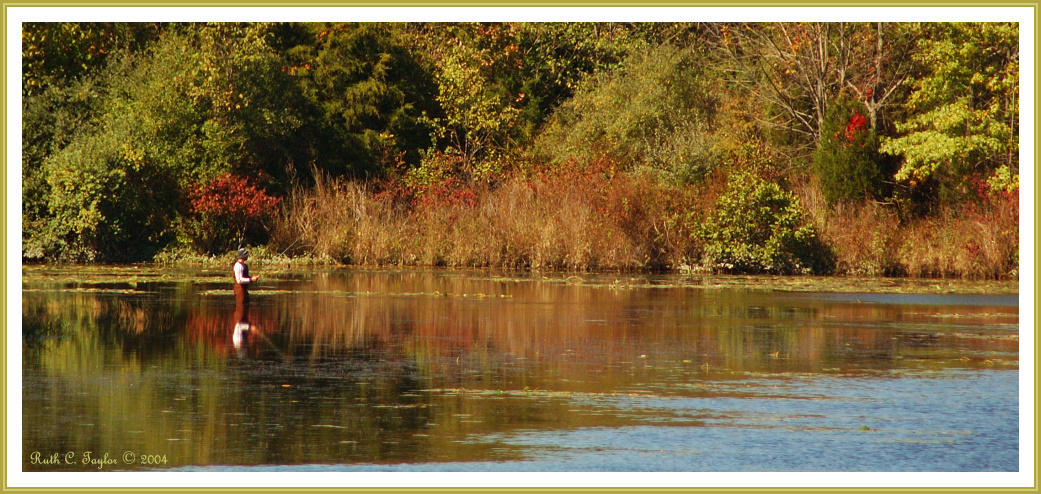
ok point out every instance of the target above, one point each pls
(616, 280)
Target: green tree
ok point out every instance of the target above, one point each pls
(366, 95)
(61, 96)
(963, 112)
(657, 110)
(51, 119)
(248, 107)
(552, 58)
(191, 107)
(478, 114)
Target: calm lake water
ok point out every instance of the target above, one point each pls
(344, 369)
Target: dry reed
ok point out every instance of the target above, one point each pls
(565, 223)
(593, 220)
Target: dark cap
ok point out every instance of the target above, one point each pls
(243, 253)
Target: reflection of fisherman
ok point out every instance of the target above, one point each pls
(242, 277)
(240, 334)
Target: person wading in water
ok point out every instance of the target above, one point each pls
(242, 278)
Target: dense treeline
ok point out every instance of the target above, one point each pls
(864, 148)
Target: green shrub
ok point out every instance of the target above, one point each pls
(50, 120)
(103, 204)
(759, 228)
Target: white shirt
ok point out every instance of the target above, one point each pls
(239, 277)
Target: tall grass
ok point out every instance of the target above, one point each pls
(589, 220)
(340, 220)
(594, 219)
(975, 240)
(980, 241)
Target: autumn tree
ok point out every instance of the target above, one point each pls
(229, 212)
(798, 69)
(879, 69)
(499, 82)
(53, 52)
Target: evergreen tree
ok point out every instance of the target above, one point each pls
(847, 161)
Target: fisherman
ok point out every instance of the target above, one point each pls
(242, 278)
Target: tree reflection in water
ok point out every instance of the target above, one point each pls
(389, 367)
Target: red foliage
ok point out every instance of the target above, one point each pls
(449, 192)
(979, 186)
(856, 126)
(234, 199)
